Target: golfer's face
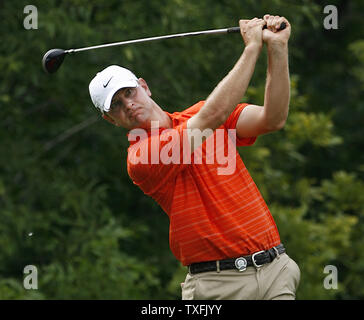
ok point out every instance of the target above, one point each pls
(130, 107)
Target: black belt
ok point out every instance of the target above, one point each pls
(241, 263)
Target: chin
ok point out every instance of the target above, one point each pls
(143, 123)
(140, 124)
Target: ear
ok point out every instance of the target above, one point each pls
(144, 85)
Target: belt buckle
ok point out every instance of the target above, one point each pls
(253, 256)
(241, 264)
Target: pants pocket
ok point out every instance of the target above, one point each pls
(295, 272)
(188, 288)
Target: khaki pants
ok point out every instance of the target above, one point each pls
(277, 280)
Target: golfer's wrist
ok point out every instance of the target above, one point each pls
(253, 47)
(277, 46)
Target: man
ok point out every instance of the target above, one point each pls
(220, 226)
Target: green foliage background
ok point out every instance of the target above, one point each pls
(63, 170)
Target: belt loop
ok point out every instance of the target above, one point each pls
(277, 252)
(218, 266)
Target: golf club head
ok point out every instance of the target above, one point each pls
(53, 59)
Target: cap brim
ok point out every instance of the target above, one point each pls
(126, 84)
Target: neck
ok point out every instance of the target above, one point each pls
(159, 115)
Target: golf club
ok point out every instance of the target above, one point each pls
(53, 58)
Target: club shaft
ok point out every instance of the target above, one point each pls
(177, 35)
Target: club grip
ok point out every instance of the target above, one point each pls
(237, 29)
(233, 30)
(283, 26)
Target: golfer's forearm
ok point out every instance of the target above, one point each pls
(277, 90)
(229, 92)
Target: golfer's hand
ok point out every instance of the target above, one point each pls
(252, 31)
(271, 35)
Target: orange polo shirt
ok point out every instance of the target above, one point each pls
(215, 209)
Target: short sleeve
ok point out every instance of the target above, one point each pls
(231, 122)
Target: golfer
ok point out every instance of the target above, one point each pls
(220, 226)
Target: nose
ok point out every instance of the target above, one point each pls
(129, 105)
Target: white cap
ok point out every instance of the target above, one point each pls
(104, 85)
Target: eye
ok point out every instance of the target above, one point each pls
(115, 105)
(129, 92)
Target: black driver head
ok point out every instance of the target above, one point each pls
(53, 59)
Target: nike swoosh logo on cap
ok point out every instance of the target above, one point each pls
(105, 85)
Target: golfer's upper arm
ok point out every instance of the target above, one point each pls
(252, 122)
